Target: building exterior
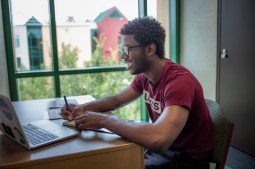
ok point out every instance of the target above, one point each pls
(73, 34)
(32, 40)
(109, 23)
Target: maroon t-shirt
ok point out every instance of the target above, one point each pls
(177, 86)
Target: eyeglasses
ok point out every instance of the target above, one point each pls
(127, 49)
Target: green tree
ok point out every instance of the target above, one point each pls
(69, 56)
(35, 88)
(71, 85)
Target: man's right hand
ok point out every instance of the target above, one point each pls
(75, 112)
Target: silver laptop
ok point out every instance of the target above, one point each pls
(30, 135)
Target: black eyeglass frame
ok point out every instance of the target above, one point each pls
(127, 49)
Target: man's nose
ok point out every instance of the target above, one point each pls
(124, 55)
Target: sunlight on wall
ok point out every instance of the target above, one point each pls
(199, 42)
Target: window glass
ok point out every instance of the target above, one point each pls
(87, 36)
(35, 88)
(16, 41)
(152, 8)
(30, 21)
(99, 85)
(88, 32)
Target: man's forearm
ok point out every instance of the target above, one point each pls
(145, 134)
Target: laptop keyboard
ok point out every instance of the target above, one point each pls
(36, 135)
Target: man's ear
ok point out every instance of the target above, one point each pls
(151, 49)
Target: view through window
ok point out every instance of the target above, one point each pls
(85, 30)
(87, 36)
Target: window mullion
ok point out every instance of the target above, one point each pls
(142, 7)
(9, 50)
(175, 30)
(53, 33)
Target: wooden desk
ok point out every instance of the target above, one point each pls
(90, 150)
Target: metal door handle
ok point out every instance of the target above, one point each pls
(224, 53)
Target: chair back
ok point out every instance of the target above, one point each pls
(222, 134)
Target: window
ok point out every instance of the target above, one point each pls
(61, 41)
(92, 35)
(152, 8)
(34, 35)
(28, 21)
(16, 42)
(18, 60)
(78, 45)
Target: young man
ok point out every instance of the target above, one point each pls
(180, 133)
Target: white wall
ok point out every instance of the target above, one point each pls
(199, 42)
(20, 32)
(163, 17)
(4, 85)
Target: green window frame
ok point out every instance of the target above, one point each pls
(175, 8)
(174, 12)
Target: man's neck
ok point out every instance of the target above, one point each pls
(155, 70)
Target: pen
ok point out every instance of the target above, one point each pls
(67, 106)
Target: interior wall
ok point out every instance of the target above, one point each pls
(4, 84)
(163, 18)
(199, 42)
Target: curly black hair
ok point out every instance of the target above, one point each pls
(147, 30)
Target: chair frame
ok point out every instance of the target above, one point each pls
(220, 163)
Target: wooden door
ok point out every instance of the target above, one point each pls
(236, 87)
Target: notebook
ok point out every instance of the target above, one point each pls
(72, 124)
(30, 135)
(54, 106)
